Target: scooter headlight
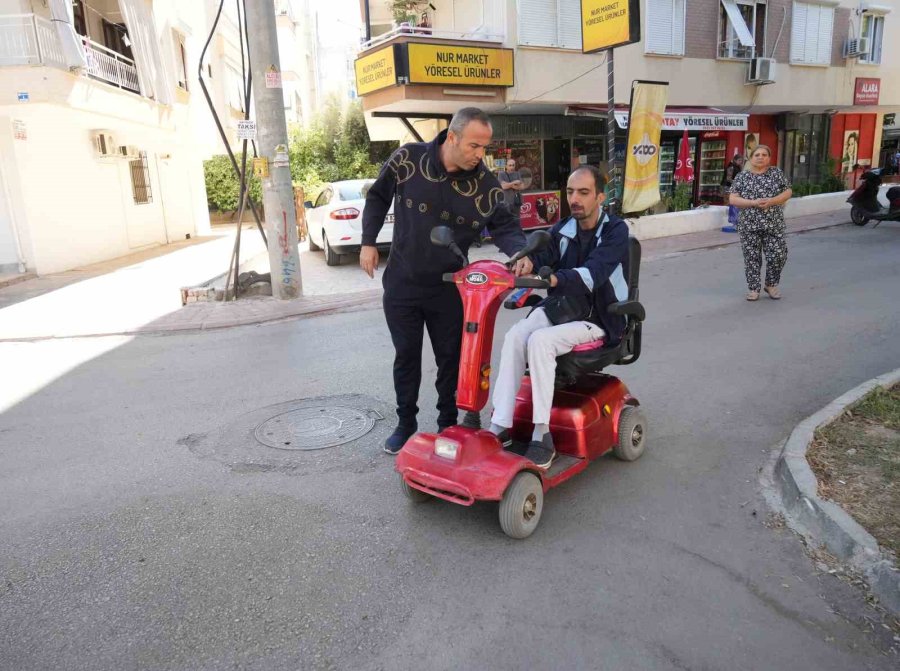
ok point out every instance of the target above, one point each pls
(446, 448)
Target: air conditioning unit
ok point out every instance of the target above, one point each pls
(761, 71)
(129, 151)
(856, 47)
(105, 145)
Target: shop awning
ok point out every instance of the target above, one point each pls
(675, 119)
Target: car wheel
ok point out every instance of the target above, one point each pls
(522, 505)
(632, 434)
(332, 258)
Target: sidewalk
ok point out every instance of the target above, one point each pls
(139, 294)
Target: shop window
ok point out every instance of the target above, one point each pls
(811, 31)
(181, 61)
(752, 17)
(665, 27)
(872, 27)
(550, 23)
(140, 180)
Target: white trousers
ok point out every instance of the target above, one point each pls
(538, 342)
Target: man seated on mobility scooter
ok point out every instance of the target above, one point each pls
(587, 258)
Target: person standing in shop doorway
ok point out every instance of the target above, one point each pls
(512, 184)
(731, 171)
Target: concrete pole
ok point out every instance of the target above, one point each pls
(278, 194)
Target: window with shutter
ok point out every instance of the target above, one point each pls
(665, 27)
(873, 28)
(550, 23)
(811, 32)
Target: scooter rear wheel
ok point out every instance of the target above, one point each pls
(632, 434)
(522, 505)
(858, 217)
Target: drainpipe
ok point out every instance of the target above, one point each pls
(12, 220)
(368, 22)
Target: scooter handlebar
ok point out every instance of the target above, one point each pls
(531, 283)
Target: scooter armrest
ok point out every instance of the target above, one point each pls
(448, 277)
(629, 308)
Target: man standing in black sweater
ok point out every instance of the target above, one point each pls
(438, 183)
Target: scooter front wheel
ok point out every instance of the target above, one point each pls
(632, 434)
(857, 216)
(413, 494)
(522, 505)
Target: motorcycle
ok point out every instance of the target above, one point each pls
(865, 206)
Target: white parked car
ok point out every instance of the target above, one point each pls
(334, 221)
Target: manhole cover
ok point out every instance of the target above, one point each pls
(315, 427)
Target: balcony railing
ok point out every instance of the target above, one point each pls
(26, 39)
(416, 31)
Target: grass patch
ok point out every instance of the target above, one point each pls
(856, 460)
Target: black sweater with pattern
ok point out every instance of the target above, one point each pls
(425, 195)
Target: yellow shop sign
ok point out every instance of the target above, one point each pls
(469, 66)
(609, 23)
(375, 71)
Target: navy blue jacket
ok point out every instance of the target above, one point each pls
(425, 195)
(602, 274)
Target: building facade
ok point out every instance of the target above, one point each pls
(817, 81)
(104, 126)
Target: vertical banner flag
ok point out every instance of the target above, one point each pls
(645, 120)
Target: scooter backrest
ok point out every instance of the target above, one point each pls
(634, 267)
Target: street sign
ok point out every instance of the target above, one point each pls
(246, 130)
(606, 24)
(23, 96)
(273, 78)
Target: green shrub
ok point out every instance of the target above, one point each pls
(223, 187)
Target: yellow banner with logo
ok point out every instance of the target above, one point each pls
(645, 120)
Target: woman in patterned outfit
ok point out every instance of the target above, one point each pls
(760, 193)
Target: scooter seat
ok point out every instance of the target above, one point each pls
(590, 346)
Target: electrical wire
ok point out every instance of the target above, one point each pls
(555, 88)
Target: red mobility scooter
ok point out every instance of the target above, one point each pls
(592, 412)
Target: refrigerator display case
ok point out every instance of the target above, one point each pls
(666, 167)
(712, 169)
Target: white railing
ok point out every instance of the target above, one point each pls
(110, 66)
(416, 31)
(26, 39)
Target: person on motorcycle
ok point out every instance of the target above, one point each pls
(588, 257)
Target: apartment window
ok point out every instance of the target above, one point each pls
(140, 180)
(811, 30)
(872, 27)
(742, 29)
(115, 36)
(78, 15)
(550, 23)
(181, 61)
(665, 27)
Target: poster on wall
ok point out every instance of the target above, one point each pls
(850, 153)
(540, 209)
(527, 154)
(751, 142)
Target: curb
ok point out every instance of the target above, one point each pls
(823, 521)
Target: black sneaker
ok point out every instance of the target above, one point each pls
(541, 452)
(505, 438)
(397, 440)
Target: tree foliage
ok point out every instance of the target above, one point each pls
(335, 146)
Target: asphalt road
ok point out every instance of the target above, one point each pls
(141, 526)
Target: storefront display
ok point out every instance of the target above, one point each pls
(712, 168)
(540, 209)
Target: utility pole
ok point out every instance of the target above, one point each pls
(278, 194)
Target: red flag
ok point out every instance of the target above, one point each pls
(684, 167)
